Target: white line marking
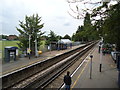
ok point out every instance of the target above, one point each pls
(79, 66)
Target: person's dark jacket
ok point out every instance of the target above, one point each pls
(67, 80)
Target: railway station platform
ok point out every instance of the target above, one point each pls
(107, 78)
(24, 62)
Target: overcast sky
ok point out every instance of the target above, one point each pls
(54, 15)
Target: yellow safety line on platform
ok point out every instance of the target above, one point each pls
(80, 75)
(21, 67)
(88, 59)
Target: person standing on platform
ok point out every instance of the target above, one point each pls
(99, 48)
(28, 52)
(67, 81)
(70, 45)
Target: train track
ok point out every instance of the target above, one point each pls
(56, 81)
(80, 62)
(42, 79)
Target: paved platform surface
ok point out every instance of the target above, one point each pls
(23, 62)
(107, 78)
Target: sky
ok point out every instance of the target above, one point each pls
(53, 12)
(54, 15)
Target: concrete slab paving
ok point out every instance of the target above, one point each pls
(107, 78)
(23, 62)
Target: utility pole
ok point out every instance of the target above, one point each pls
(29, 40)
(36, 51)
(29, 46)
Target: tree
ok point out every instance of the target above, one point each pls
(59, 37)
(52, 37)
(112, 26)
(31, 27)
(3, 36)
(67, 37)
(77, 36)
(80, 28)
(87, 27)
(109, 23)
(86, 32)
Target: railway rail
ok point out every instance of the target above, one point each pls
(41, 74)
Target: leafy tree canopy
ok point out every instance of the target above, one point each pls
(52, 37)
(30, 28)
(67, 37)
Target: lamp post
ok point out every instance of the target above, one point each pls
(91, 56)
(101, 54)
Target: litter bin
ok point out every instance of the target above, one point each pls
(10, 53)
